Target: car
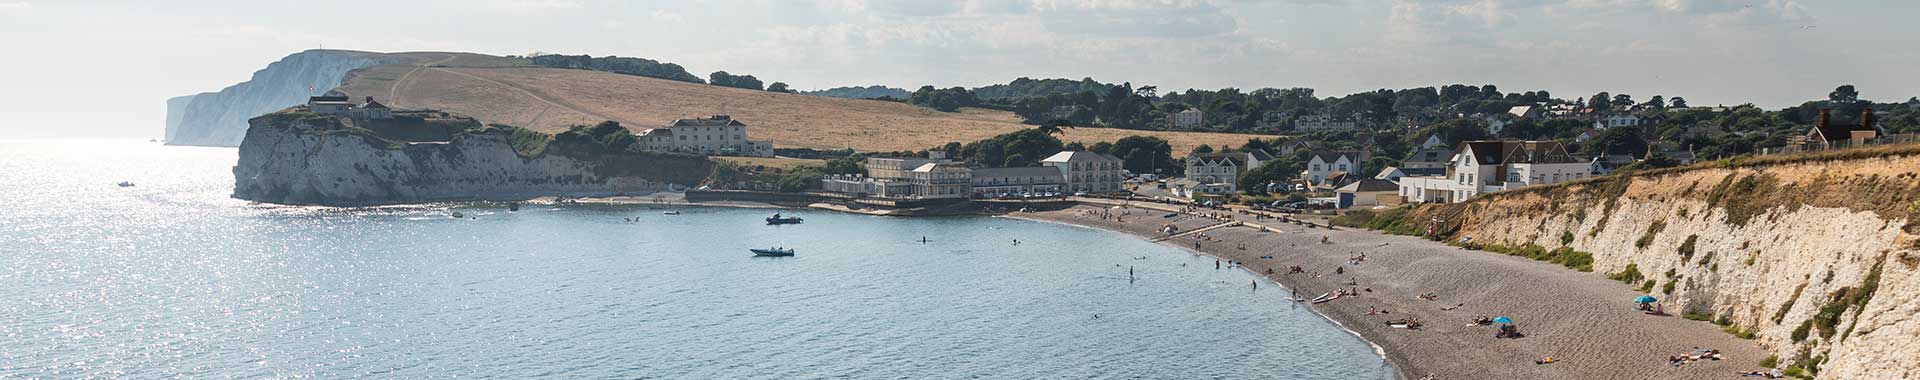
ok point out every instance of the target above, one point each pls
(1080, 194)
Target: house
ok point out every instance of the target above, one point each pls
(1489, 166)
(371, 110)
(1584, 137)
(1322, 122)
(1427, 161)
(1364, 193)
(1324, 163)
(1189, 188)
(1830, 133)
(329, 104)
(1607, 163)
(1495, 124)
(1087, 171)
(1525, 112)
(1223, 168)
(713, 135)
(1392, 174)
(891, 177)
(994, 182)
(1288, 148)
(1433, 141)
(1189, 119)
(1618, 120)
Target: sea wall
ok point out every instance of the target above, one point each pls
(220, 118)
(1815, 257)
(306, 159)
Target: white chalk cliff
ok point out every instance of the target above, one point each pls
(301, 158)
(220, 118)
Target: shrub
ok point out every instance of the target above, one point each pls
(1652, 231)
(1800, 333)
(1630, 274)
(1668, 288)
(1771, 361)
(1687, 247)
(1646, 287)
(1566, 238)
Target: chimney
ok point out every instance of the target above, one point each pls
(1825, 116)
(1866, 118)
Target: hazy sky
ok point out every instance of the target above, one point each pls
(86, 68)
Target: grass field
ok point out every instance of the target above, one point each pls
(774, 162)
(495, 91)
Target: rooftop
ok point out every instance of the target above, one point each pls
(1079, 156)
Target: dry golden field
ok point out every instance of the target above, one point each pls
(494, 91)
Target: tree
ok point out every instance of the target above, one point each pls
(1623, 100)
(722, 78)
(1600, 101)
(1677, 102)
(1844, 94)
(1620, 141)
(1657, 102)
(779, 87)
(1144, 154)
(1203, 148)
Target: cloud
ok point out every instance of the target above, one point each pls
(533, 5)
(7, 7)
(666, 16)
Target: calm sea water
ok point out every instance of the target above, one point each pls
(171, 279)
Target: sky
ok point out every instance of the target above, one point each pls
(81, 68)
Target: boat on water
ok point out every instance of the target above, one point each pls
(125, 184)
(675, 212)
(776, 219)
(771, 251)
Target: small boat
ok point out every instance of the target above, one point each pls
(675, 212)
(776, 219)
(457, 215)
(513, 206)
(125, 184)
(771, 252)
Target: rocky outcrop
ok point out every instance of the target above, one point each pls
(1815, 257)
(297, 157)
(220, 118)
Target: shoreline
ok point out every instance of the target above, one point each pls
(1377, 349)
(1581, 319)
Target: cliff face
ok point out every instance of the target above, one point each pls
(306, 159)
(1816, 258)
(220, 118)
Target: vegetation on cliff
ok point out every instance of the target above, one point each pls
(622, 65)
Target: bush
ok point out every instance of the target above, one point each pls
(1800, 333)
(1652, 231)
(1631, 274)
(1566, 238)
(1668, 288)
(1687, 247)
(1771, 361)
(1646, 287)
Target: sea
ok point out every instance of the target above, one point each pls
(171, 278)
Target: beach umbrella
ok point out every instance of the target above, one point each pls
(1502, 319)
(1645, 299)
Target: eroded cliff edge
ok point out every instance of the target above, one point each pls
(300, 158)
(220, 118)
(1814, 256)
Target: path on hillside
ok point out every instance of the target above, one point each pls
(393, 92)
(529, 93)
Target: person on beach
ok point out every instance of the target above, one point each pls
(1216, 262)
(1255, 283)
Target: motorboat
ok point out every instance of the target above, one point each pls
(771, 252)
(125, 184)
(674, 212)
(776, 219)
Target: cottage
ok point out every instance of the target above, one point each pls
(371, 110)
(1830, 133)
(1364, 193)
(1390, 174)
(1325, 163)
(1489, 166)
(1427, 161)
(1618, 120)
(329, 104)
(1525, 112)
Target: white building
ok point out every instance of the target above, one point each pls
(329, 104)
(994, 182)
(1363, 193)
(1618, 120)
(714, 135)
(942, 180)
(1489, 166)
(1087, 171)
(1189, 119)
(1223, 170)
(1326, 163)
(1322, 122)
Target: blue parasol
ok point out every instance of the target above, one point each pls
(1502, 319)
(1645, 299)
